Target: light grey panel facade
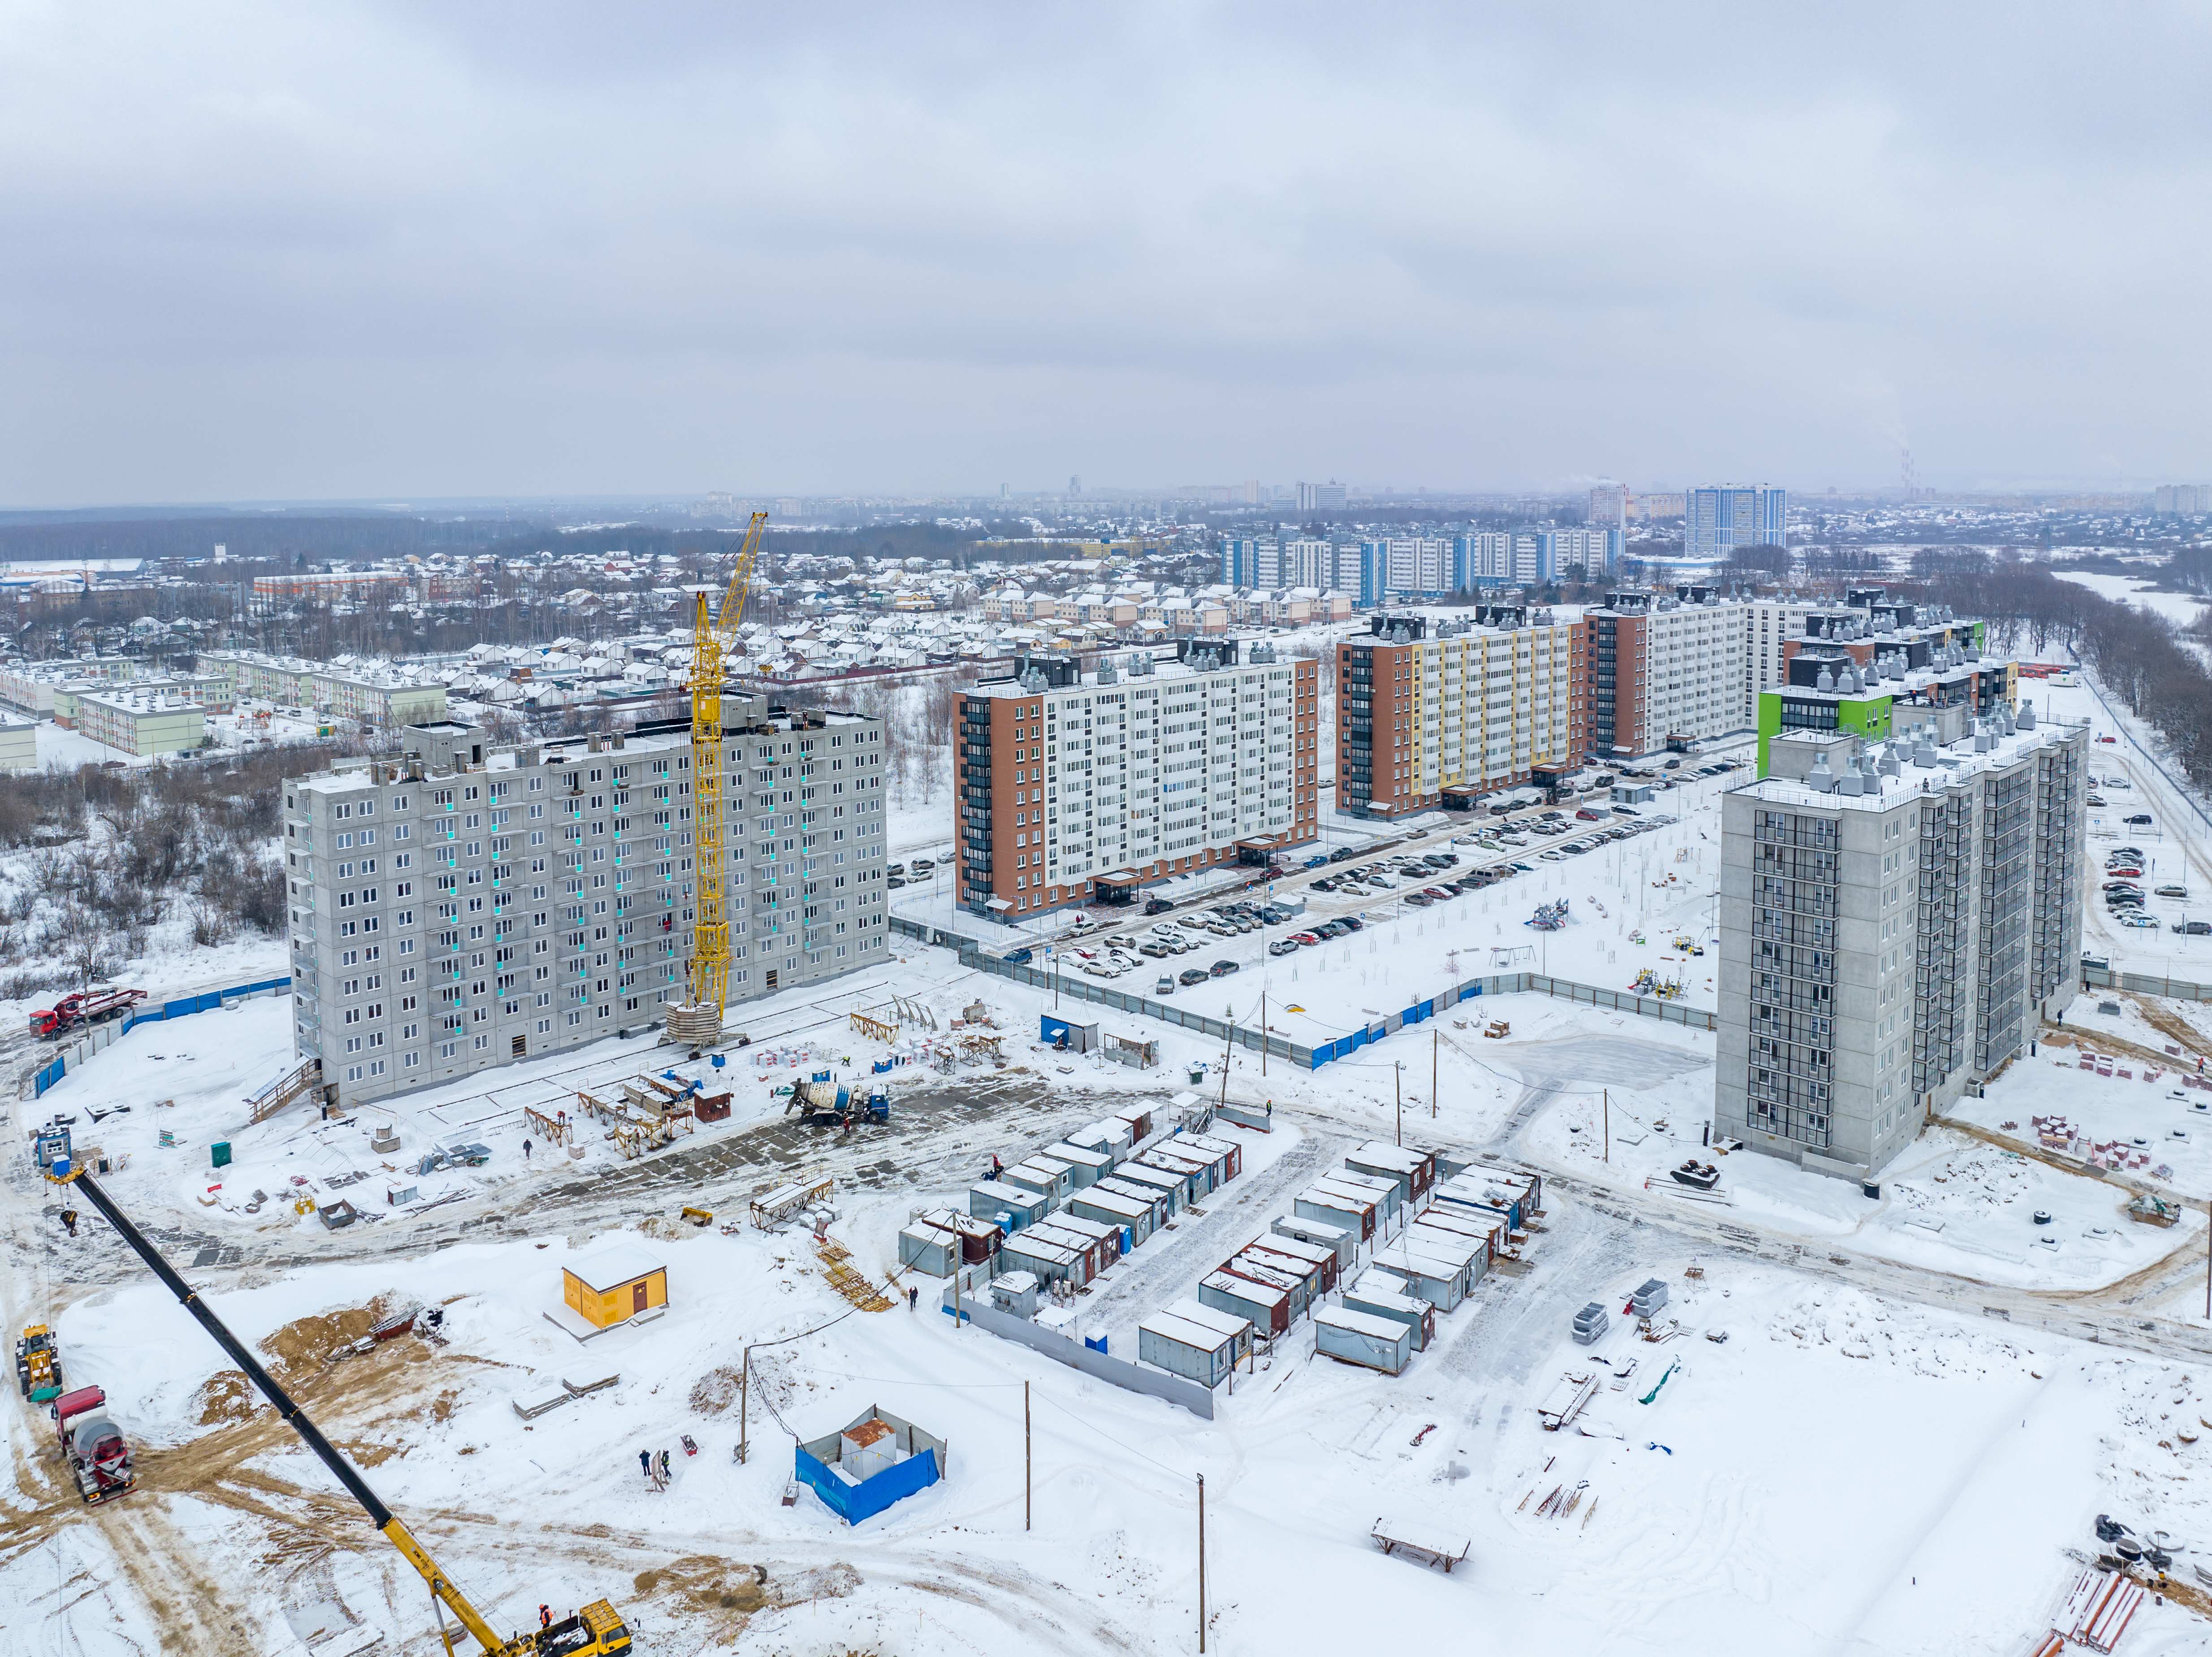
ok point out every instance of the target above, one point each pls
(470, 903)
(1893, 930)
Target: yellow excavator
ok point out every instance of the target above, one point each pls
(597, 1630)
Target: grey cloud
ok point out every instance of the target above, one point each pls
(415, 250)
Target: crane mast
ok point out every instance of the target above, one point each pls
(707, 975)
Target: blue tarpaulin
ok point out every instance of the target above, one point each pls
(814, 1462)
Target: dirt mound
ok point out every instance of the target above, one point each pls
(226, 1396)
(724, 1594)
(717, 1389)
(305, 1344)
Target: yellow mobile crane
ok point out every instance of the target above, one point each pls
(597, 1630)
(707, 976)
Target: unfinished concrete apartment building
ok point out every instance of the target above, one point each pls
(1896, 919)
(469, 903)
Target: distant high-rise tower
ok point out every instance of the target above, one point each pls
(1006, 491)
(1608, 506)
(1075, 483)
(1721, 517)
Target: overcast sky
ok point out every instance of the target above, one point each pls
(416, 251)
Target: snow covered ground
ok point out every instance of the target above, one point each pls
(1875, 1457)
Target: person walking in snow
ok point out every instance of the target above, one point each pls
(645, 1462)
(664, 1468)
(913, 1295)
(525, 1150)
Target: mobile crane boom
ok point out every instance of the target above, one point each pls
(596, 1631)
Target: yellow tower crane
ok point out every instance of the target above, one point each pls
(707, 976)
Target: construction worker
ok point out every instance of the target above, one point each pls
(545, 1617)
(664, 1466)
(913, 1295)
(645, 1462)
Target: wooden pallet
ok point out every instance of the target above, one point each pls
(837, 1266)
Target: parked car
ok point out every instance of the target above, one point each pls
(894, 868)
(924, 866)
(1164, 987)
(1350, 923)
(1626, 811)
(1193, 975)
(2141, 819)
(2137, 919)
(1282, 946)
(1016, 958)
(2173, 892)
(1321, 862)
(2097, 800)
(1306, 939)
(2101, 963)
(1156, 905)
(1419, 899)
(2193, 929)
(1223, 969)
(892, 883)
(1153, 949)
(1342, 855)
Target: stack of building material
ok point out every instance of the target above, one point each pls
(1591, 1324)
(2097, 1610)
(1566, 1399)
(1649, 1296)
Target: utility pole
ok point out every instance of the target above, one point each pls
(1263, 1031)
(1202, 1564)
(1436, 1041)
(1228, 1046)
(1025, 1455)
(1398, 1082)
(744, 1400)
(1606, 1095)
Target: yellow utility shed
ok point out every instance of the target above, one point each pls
(615, 1284)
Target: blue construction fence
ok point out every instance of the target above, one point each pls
(182, 1007)
(1082, 988)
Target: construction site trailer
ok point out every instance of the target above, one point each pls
(1319, 1276)
(1183, 1148)
(1389, 1191)
(1192, 1175)
(1267, 1306)
(1051, 1262)
(1243, 1265)
(1166, 1182)
(1160, 1205)
(1380, 1296)
(1104, 1233)
(1088, 1165)
(1234, 1325)
(1355, 1214)
(927, 1250)
(1140, 1119)
(1183, 1348)
(988, 1199)
(1433, 1281)
(1314, 1254)
(1444, 1244)
(1067, 1034)
(1414, 1167)
(1475, 1225)
(1041, 1173)
(1113, 1135)
(1361, 1337)
(1093, 1249)
(614, 1285)
(1112, 1209)
(1227, 1147)
(1342, 1240)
